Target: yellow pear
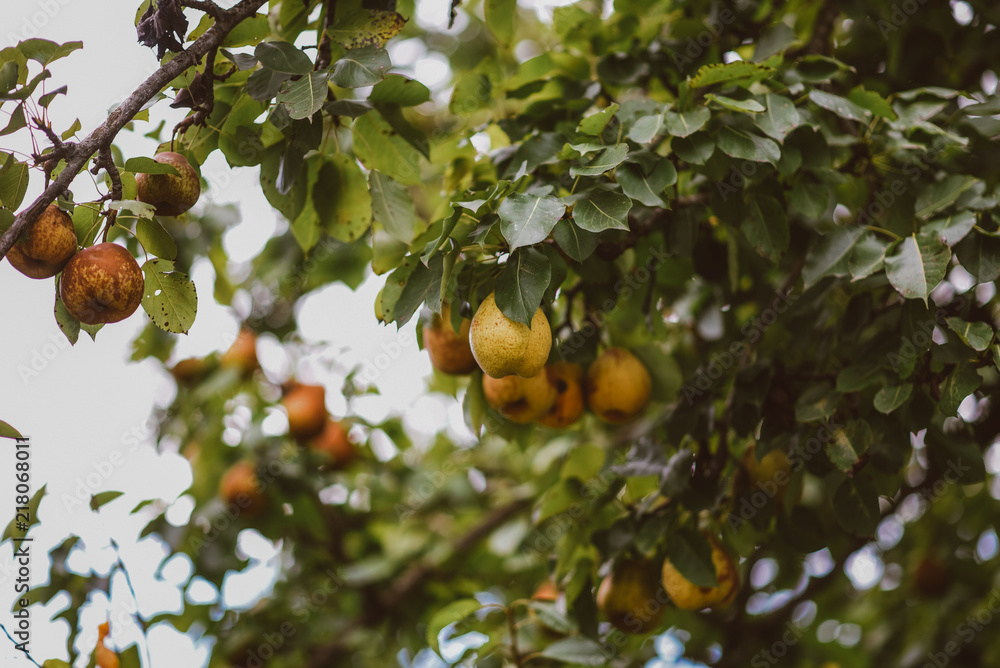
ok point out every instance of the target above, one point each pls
(628, 596)
(771, 473)
(449, 350)
(618, 386)
(567, 379)
(689, 596)
(504, 347)
(519, 399)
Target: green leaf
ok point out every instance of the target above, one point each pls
(473, 91)
(686, 123)
(6, 431)
(68, 324)
(342, 198)
(578, 244)
(738, 144)
(719, 73)
(891, 397)
(361, 67)
(829, 256)
(527, 219)
(809, 199)
(576, 650)
(646, 128)
(169, 297)
(980, 256)
(779, 118)
(154, 239)
(603, 210)
(846, 445)
(696, 149)
(691, 554)
(14, 177)
(380, 147)
(857, 377)
(643, 187)
(551, 617)
(12, 529)
(304, 97)
(749, 105)
(400, 90)
(366, 27)
(45, 52)
(766, 228)
(264, 84)
(958, 458)
(976, 335)
(855, 504)
(144, 165)
(942, 194)
(98, 500)
(392, 206)
(283, 57)
(817, 403)
(595, 123)
(960, 383)
(775, 39)
(604, 161)
(872, 101)
(917, 266)
(455, 611)
(868, 256)
(519, 287)
(840, 106)
(247, 32)
(500, 17)
(953, 228)
(17, 120)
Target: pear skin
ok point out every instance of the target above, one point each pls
(102, 284)
(618, 386)
(688, 596)
(240, 487)
(628, 596)
(567, 379)
(306, 408)
(770, 474)
(45, 248)
(504, 347)
(171, 194)
(450, 351)
(520, 400)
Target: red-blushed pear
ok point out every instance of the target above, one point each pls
(520, 400)
(449, 350)
(171, 194)
(567, 380)
(101, 284)
(334, 443)
(240, 487)
(242, 355)
(618, 386)
(306, 408)
(628, 596)
(45, 248)
(505, 347)
(188, 371)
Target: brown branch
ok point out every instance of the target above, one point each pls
(106, 162)
(821, 42)
(207, 6)
(391, 598)
(324, 55)
(76, 159)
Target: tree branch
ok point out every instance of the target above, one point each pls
(77, 157)
(206, 6)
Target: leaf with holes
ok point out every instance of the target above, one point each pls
(366, 27)
(169, 297)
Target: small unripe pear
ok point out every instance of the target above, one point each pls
(171, 194)
(628, 596)
(688, 596)
(46, 246)
(505, 347)
(567, 380)
(101, 284)
(519, 399)
(450, 351)
(618, 386)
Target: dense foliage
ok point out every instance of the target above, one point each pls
(785, 210)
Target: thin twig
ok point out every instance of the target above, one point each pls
(206, 6)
